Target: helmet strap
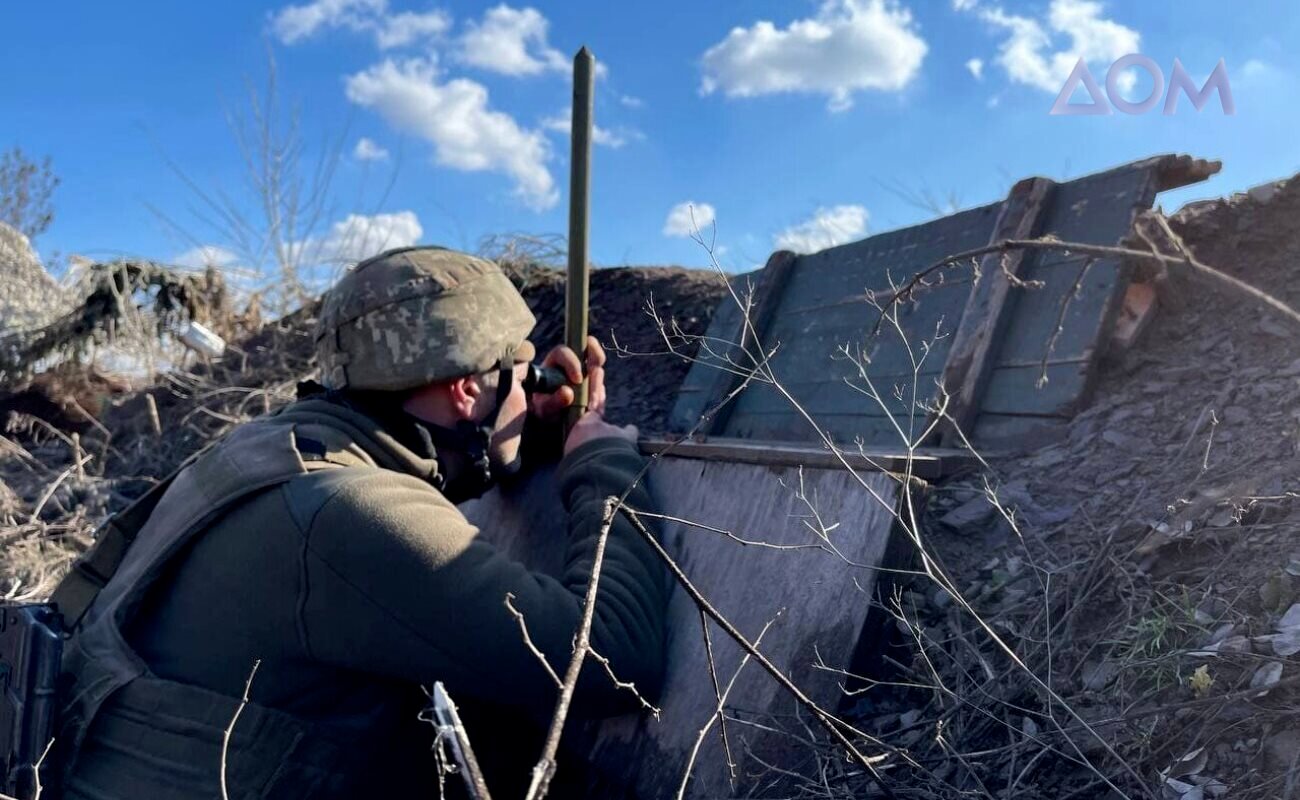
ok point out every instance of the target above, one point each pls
(473, 440)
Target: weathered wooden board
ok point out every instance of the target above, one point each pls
(989, 307)
(1063, 319)
(845, 429)
(933, 463)
(1080, 296)
(817, 601)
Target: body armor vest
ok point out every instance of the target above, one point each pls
(162, 739)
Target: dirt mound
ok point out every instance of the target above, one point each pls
(642, 381)
(262, 371)
(1154, 557)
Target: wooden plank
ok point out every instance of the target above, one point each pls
(751, 333)
(1174, 171)
(1084, 299)
(834, 396)
(698, 386)
(844, 429)
(928, 464)
(1016, 389)
(819, 601)
(1017, 433)
(970, 357)
(1097, 209)
(851, 269)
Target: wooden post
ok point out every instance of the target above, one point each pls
(576, 293)
(970, 361)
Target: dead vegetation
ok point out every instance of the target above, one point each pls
(1118, 615)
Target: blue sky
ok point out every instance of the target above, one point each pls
(795, 123)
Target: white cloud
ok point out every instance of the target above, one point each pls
(293, 24)
(512, 42)
(367, 150)
(1254, 68)
(630, 101)
(563, 123)
(455, 118)
(1031, 54)
(208, 255)
(1255, 71)
(976, 67)
(850, 45)
(685, 219)
(827, 228)
(358, 237)
(407, 27)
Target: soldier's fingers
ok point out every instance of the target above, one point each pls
(548, 406)
(595, 352)
(567, 360)
(596, 402)
(596, 386)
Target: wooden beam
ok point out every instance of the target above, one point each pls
(767, 296)
(1176, 171)
(927, 464)
(970, 360)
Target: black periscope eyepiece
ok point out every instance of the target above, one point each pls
(544, 380)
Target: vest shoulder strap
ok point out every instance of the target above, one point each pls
(91, 572)
(93, 569)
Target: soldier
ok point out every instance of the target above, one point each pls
(323, 541)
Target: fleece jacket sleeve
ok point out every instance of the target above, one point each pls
(395, 581)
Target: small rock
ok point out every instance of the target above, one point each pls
(1266, 677)
(1223, 518)
(1098, 675)
(1291, 619)
(1120, 440)
(1292, 370)
(1281, 749)
(1235, 415)
(1284, 644)
(1272, 327)
(1264, 192)
(972, 513)
(941, 598)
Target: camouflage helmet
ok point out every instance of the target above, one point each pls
(417, 315)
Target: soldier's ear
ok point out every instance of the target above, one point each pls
(464, 394)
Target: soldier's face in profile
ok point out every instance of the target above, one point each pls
(510, 423)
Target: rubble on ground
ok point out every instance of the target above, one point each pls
(1168, 522)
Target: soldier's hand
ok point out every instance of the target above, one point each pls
(593, 426)
(561, 357)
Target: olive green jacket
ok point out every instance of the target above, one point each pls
(352, 585)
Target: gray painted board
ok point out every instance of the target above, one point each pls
(818, 601)
(822, 309)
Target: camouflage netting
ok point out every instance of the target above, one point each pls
(29, 296)
(132, 298)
